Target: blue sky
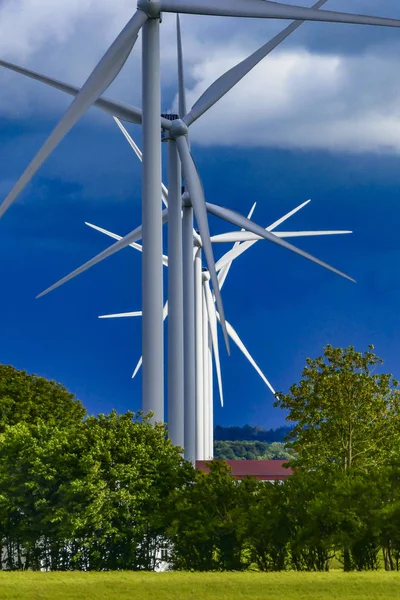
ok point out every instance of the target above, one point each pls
(319, 120)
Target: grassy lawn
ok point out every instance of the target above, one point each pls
(196, 586)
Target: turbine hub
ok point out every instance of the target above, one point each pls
(178, 128)
(186, 200)
(152, 8)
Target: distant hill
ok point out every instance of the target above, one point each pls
(250, 433)
(244, 450)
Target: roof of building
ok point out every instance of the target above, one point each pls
(266, 470)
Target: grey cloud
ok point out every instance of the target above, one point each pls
(329, 86)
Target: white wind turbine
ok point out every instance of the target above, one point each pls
(148, 17)
(206, 323)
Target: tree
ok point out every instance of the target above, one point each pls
(94, 495)
(267, 526)
(29, 399)
(346, 415)
(209, 522)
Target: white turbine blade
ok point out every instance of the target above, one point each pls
(292, 234)
(136, 234)
(112, 235)
(165, 311)
(227, 258)
(197, 199)
(241, 221)
(129, 139)
(230, 237)
(137, 368)
(99, 80)
(228, 80)
(138, 152)
(245, 245)
(181, 78)
(289, 214)
(223, 274)
(234, 336)
(119, 315)
(246, 236)
(119, 237)
(111, 107)
(253, 208)
(212, 319)
(270, 10)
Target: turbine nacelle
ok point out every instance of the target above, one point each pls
(152, 8)
(205, 274)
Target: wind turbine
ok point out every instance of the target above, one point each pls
(147, 17)
(206, 322)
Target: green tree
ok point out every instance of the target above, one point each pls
(94, 495)
(268, 531)
(346, 415)
(29, 399)
(386, 484)
(208, 523)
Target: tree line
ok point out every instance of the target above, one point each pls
(250, 433)
(243, 450)
(111, 492)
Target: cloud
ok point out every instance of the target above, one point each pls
(329, 87)
(303, 100)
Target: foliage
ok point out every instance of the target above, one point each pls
(251, 451)
(91, 496)
(111, 492)
(209, 522)
(250, 433)
(29, 399)
(346, 415)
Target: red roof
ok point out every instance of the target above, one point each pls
(266, 470)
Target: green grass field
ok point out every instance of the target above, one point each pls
(198, 586)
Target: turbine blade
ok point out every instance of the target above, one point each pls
(137, 368)
(119, 315)
(99, 80)
(236, 237)
(212, 320)
(246, 236)
(196, 193)
(289, 214)
(138, 152)
(112, 235)
(292, 234)
(134, 235)
(234, 336)
(119, 237)
(165, 311)
(223, 274)
(270, 10)
(111, 107)
(247, 244)
(241, 221)
(129, 139)
(228, 80)
(181, 76)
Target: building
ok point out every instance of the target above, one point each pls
(264, 470)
